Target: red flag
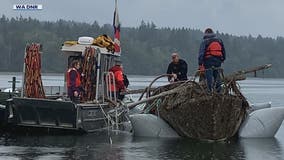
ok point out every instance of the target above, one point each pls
(116, 26)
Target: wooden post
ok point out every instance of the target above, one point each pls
(246, 71)
(13, 84)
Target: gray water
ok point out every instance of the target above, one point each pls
(122, 145)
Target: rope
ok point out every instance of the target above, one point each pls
(119, 110)
(156, 103)
(106, 116)
(150, 85)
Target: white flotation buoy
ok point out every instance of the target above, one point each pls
(148, 125)
(85, 40)
(262, 123)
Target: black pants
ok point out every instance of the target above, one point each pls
(75, 99)
(118, 96)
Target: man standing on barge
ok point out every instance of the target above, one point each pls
(73, 79)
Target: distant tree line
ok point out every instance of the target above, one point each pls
(145, 49)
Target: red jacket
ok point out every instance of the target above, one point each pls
(70, 81)
(73, 80)
(118, 76)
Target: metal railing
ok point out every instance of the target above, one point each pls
(110, 81)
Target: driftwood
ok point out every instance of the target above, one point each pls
(136, 91)
(241, 73)
(254, 69)
(172, 91)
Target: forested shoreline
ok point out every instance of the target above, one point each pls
(145, 49)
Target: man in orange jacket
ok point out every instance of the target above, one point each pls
(212, 54)
(73, 80)
(119, 80)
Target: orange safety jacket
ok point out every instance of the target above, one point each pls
(118, 79)
(77, 80)
(214, 49)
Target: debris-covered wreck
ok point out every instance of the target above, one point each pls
(190, 111)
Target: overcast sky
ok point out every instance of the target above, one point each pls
(237, 17)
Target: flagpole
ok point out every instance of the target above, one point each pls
(116, 25)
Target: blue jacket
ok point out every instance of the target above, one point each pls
(207, 39)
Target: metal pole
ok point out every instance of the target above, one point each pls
(116, 118)
(98, 73)
(103, 86)
(13, 84)
(115, 91)
(24, 72)
(108, 85)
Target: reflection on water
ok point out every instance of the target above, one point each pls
(97, 146)
(90, 146)
(124, 146)
(188, 149)
(262, 149)
(121, 145)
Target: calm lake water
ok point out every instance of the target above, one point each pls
(124, 146)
